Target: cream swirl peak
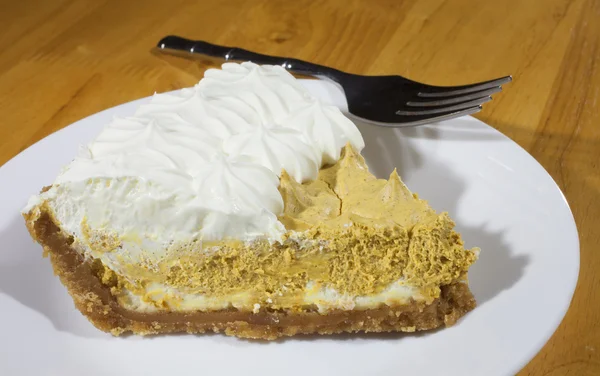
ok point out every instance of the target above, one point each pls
(277, 148)
(203, 162)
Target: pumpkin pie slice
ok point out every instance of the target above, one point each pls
(243, 205)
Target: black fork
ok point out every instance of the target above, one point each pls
(391, 101)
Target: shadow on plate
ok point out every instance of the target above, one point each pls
(28, 278)
(463, 130)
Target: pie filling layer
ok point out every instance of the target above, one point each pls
(357, 248)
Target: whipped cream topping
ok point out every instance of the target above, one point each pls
(202, 163)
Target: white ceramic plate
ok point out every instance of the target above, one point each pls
(501, 198)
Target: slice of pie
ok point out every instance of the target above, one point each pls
(243, 206)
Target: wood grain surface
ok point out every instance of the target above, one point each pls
(63, 60)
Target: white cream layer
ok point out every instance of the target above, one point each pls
(324, 298)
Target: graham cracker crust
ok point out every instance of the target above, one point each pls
(96, 302)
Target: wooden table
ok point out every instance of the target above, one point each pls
(62, 60)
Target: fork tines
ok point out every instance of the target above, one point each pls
(457, 100)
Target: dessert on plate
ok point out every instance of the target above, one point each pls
(243, 205)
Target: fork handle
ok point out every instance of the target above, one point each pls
(175, 44)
